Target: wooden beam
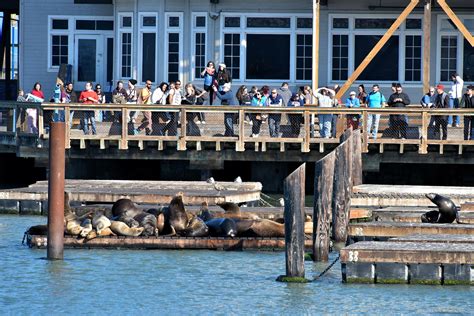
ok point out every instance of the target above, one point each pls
(426, 45)
(315, 75)
(377, 48)
(467, 35)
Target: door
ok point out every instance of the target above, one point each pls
(89, 61)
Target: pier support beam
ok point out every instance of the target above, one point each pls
(56, 191)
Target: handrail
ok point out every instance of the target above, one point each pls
(419, 122)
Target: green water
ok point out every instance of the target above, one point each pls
(127, 282)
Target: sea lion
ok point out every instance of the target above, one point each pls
(204, 213)
(120, 228)
(222, 227)
(86, 227)
(40, 230)
(175, 214)
(260, 228)
(232, 210)
(104, 232)
(230, 207)
(100, 222)
(73, 227)
(125, 208)
(196, 228)
(447, 210)
(148, 222)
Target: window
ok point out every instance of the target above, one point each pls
(448, 57)
(468, 67)
(232, 21)
(268, 63)
(148, 56)
(232, 54)
(60, 24)
(413, 58)
(304, 54)
(340, 23)
(148, 21)
(304, 23)
(59, 50)
(367, 23)
(125, 45)
(199, 44)
(173, 46)
(340, 57)
(384, 66)
(269, 22)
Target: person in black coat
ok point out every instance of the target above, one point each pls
(398, 122)
(441, 102)
(468, 102)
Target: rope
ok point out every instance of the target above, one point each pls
(265, 203)
(327, 268)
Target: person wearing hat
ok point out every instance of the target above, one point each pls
(441, 121)
(223, 76)
(353, 119)
(295, 119)
(467, 101)
(398, 122)
(227, 98)
(132, 99)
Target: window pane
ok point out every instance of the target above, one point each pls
(86, 55)
(85, 25)
(468, 69)
(149, 21)
(105, 25)
(265, 63)
(340, 23)
(232, 53)
(373, 23)
(59, 49)
(232, 21)
(340, 54)
(126, 55)
(173, 56)
(110, 58)
(384, 66)
(448, 57)
(173, 21)
(200, 21)
(304, 23)
(60, 24)
(126, 21)
(413, 24)
(269, 22)
(149, 57)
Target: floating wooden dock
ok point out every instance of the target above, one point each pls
(33, 199)
(413, 214)
(409, 262)
(371, 195)
(211, 243)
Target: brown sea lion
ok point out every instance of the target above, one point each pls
(104, 232)
(204, 213)
(175, 214)
(196, 228)
(260, 228)
(148, 222)
(121, 229)
(232, 210)
(86, 227)
(100, 222)
(125, 208)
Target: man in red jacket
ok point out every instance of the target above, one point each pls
(88, 96)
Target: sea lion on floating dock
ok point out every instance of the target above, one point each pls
(196, 228)
(121, 229)
(204, 213)
(125, 208)
(222, 227)
(148, 222)
(86, 227)
(175, 214)
(232, 210)
(260, 228)
(447, 210)
(40, 230)
(100, 222)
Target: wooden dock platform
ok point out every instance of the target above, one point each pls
(33, 199)
(210, 243)
(371, 195)
(413, 214)
(408, 263)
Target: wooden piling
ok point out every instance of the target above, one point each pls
(294, 192)
(342, 189)
(356, 158)
(56, 191)
(323, 187)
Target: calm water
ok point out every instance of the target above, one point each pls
(127, 282)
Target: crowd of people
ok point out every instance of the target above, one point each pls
(217, 87)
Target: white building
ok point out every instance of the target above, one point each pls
(261, 42)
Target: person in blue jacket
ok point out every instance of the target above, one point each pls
(353, 119)
(227, 98)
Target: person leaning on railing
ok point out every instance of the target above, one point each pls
(258, 100)
(375, 100)
(353, 119)
(398, 122)
(274, 120)
(441, 121)
(467, 102)
(326, 100)
(227, 98)
(145, 97)
(88, 96)
(295, 119)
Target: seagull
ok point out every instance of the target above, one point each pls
(238, 180)
(281, 201)
(211, 180)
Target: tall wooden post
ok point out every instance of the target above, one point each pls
(315, 55)
(323, 187)
(357, 158)
(342, 189)
(294, 191)
(56, 191)
(426, 45)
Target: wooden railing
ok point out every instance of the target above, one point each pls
(186, 134)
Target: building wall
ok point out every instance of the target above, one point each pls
(34, 37)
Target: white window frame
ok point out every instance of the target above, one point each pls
(69, 32)
(178, 30)
(292, 31)
(460, 46)
(351, 31)
(146, 29)
(120, 31)
(194, 30)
